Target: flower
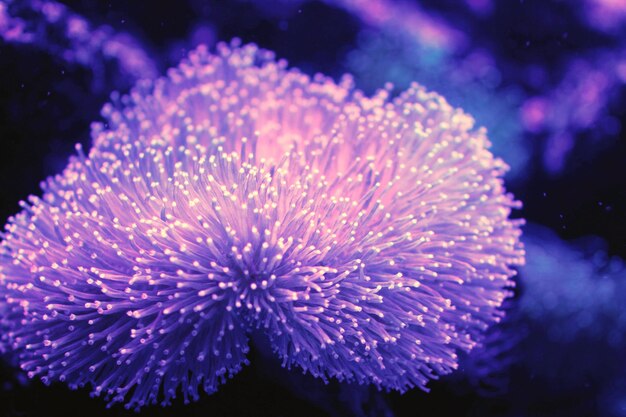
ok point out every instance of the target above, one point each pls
(368, 238)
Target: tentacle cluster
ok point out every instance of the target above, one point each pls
(369, 238)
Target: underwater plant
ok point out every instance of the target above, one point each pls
(368, 238)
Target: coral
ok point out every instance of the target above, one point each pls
(487, 369)
(576, 285)
(471, 82)
(406, 19)
(368, 238)
(54, 28)
(579, 106)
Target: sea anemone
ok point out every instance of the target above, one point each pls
(368, 238)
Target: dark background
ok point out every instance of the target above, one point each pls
(48, 103)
